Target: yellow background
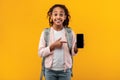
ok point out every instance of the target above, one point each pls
(21, 23)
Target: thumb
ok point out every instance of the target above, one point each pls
(59, 39)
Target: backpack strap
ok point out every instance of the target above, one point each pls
(46, 37)
(69, 38)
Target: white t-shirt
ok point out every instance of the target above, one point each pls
(58, 56)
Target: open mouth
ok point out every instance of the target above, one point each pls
(58, 21)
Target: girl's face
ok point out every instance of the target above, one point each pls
(58, 16)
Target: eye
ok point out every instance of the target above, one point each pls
(55, 14)
(61, 14)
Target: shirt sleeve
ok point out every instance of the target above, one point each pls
(43, 51)
(73, 42)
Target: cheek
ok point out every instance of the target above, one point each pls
(52, 18)
(65, 18)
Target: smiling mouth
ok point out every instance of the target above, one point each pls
(58, 21)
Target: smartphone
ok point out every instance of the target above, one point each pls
(80, 40)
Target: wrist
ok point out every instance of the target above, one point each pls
(75, 49)
(52, 47)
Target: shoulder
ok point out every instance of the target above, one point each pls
(69, 30)
(46, 31)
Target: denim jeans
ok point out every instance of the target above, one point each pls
(57, 75)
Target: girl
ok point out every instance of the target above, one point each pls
(58, 60)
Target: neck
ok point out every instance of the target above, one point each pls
(58, 28)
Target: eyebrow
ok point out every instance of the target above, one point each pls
(60, 11)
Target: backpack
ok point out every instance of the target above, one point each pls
(46, 37)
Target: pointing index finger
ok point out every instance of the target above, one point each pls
(63, 41)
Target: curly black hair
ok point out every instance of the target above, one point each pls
(66, 22)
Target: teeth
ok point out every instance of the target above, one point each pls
(58, 20)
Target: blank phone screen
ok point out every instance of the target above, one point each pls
(80, 40)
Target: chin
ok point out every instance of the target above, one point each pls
(58, 24)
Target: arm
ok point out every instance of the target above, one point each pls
(42, 49)
(57, 44)
(74, 46)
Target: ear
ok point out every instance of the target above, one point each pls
(50, 15)
(51, 18)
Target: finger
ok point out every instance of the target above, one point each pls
(63, 41)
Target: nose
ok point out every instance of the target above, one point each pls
(58, 16)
